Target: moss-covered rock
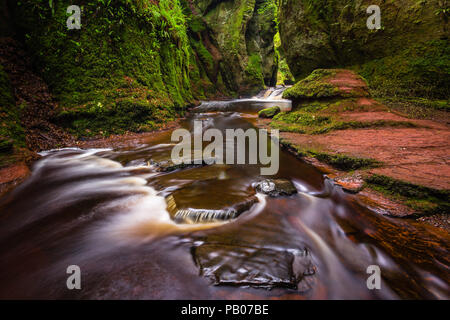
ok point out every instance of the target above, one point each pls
(269, 112)
(409, 54)
(327, 84)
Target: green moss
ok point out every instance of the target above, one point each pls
(318, 85)
(284, 76)
(12, 133)
(345, 162)
(126, 114)
(301, 119)
(313, 87)
(242, 33)
(417, 108)
(122, 47)
(422, 70)
(310, 119)
(269, 112)
(196, 24)
(253, 71)
(338, 161)
(422, 199)
(343, 125)
(204, 55)
(408, 56)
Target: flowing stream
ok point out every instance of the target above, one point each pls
(105, 210)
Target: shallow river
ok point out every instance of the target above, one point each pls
(105, 211)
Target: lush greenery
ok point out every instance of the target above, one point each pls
(422, 70)
(408, 56)
(129, 67)
(11, 132)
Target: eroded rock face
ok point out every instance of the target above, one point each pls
(276, 187)
(238, 37)
(255, 267)
(326, 33)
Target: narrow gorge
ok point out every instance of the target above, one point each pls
(315, 139)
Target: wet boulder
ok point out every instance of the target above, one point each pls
(275, 187)
(267, 268)
(269, 112)
(328, 84)
(168, 165)
(350, 184)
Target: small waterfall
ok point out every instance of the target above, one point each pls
(204, 215)
(192, 216)
(267, 98)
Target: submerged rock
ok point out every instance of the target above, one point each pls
(168, 165)
(350, 184)
(269, 112)
(256, 267)
(193, 215)
(276, 187)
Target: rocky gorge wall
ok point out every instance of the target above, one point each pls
(407, 56)
(134, 65)
(239, 36)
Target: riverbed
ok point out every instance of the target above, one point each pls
(105, 210)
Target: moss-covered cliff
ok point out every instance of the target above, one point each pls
(137, 63)
(407, 56)
(239, 34)
(129, 67)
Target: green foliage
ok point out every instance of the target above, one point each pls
(12, 133)
(417, 108)
(123, 47)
